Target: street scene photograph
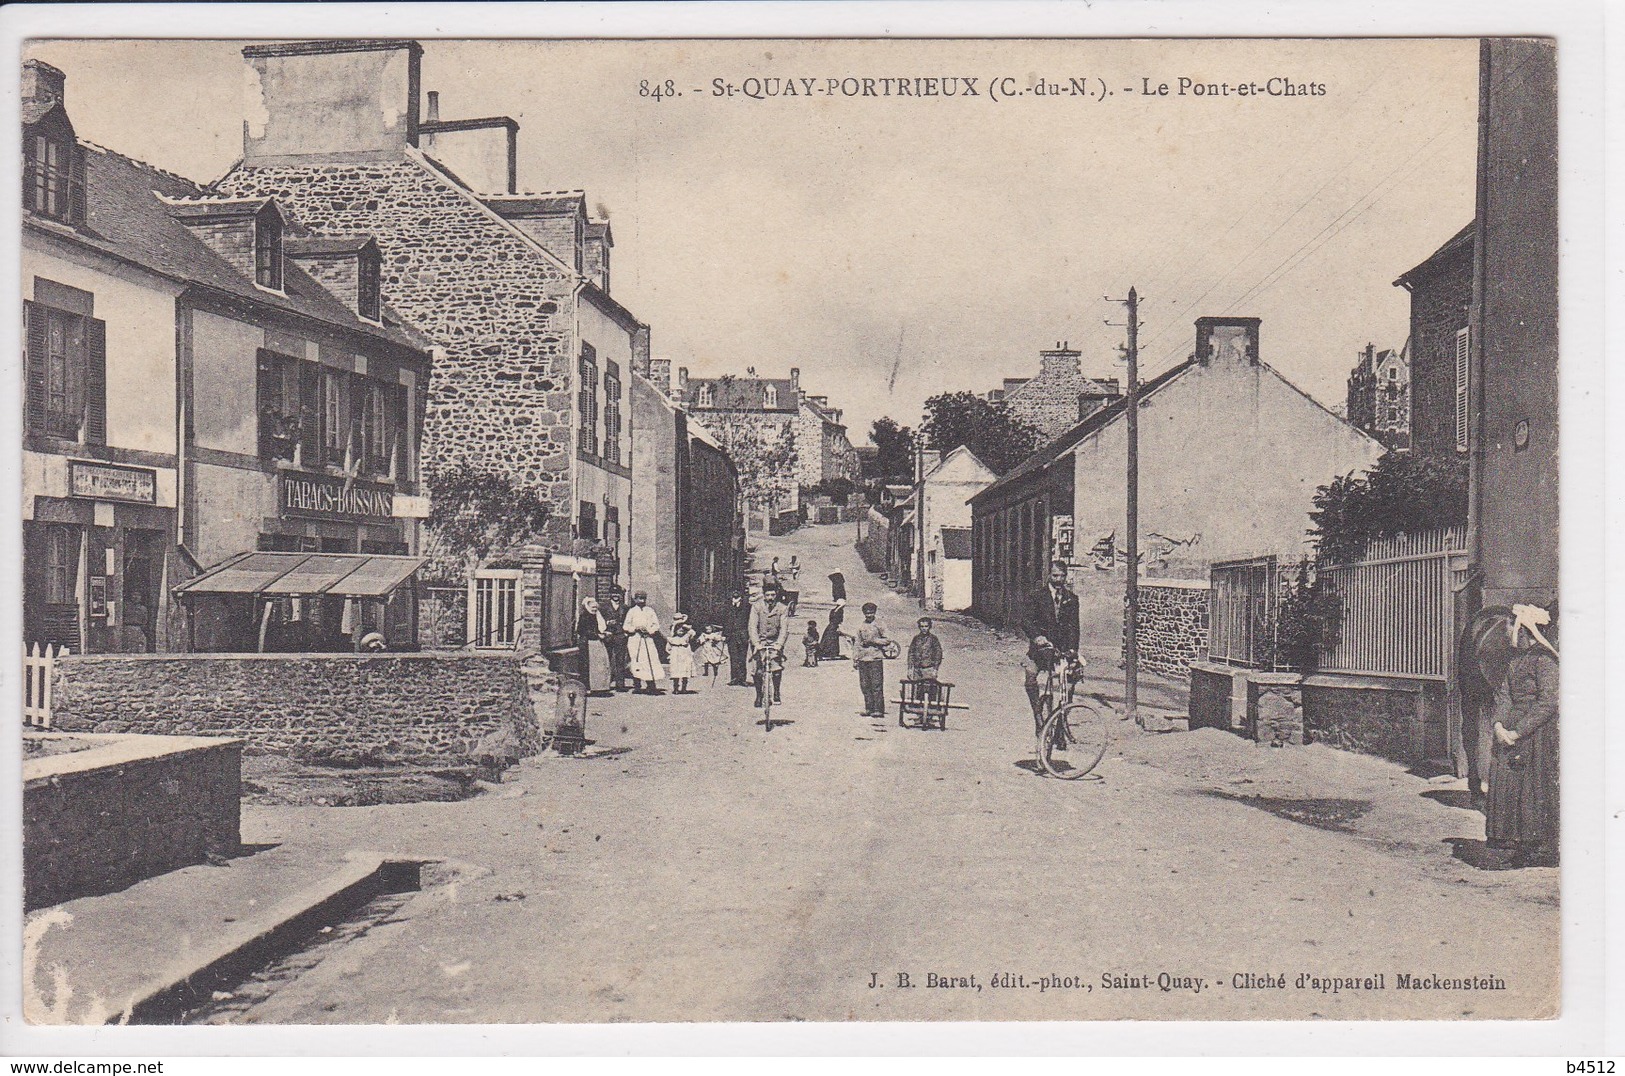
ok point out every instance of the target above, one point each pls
(766, 530)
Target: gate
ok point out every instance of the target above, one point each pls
(38, 665)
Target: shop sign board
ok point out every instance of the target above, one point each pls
(326, 497)
(108, 482)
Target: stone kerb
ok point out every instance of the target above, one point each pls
(349, 709)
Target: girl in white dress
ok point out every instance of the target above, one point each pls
(680, 654)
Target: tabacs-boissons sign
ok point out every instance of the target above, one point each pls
(335, 498)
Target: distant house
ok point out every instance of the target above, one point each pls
(1059, 396)
(942, 499)
(1231, 453)
(1441, 290)
(1379, 396)
(953, 547)
(781, 408)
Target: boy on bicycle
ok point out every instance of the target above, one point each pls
(1051, 626)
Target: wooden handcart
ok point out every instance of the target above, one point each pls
(925, 704)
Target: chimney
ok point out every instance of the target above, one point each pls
(1227, 340)
(660, 374)
(483, 153)
(1059, 361)
(640, 350)
(346, 265)
(929, 458)
(595, 256)
(43, 86)
(331, 101)
(682, 382)
(795, 376)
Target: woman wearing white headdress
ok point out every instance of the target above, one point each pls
(641, 627)
(1522, 808)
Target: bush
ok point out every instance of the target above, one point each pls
(1403, 494)
(1310, 620)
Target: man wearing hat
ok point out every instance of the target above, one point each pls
(642, 625)
(770, 628)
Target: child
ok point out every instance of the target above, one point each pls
(810, 644)
(679, 645)
(712, 641)
(924, 653)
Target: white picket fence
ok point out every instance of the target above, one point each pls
(38, 665)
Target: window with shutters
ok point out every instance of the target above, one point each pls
(587, 401)
(66, 363)
(1463, 350)
(612, 524)
(61, 564)
(280, 406)
(612, 414)
(368, 297)
(54, 176)
(587, 521)
(336, 416)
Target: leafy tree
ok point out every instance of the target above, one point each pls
(1403, 494)
(999, 438)
(1311, 619)
(475, 514)
(894, 459)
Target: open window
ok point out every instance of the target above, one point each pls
(493, 608)
(268, 232)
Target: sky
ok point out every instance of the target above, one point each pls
(895, 247)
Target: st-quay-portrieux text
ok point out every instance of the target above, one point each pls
(993, 88)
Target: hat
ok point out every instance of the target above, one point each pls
(644, 594)
(679, 618)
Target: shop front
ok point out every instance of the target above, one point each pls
(95, 545)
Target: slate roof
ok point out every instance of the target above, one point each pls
(1073, 437)
(743, 393)
(1463, 238)
(549, 203)
(126, 217)
(326, 244)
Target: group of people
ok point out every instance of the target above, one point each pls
(623, 648)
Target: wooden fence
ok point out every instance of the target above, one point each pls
(38, 665)
(1399, 608)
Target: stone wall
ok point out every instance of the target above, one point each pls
(1376, 721)
(1173, 624)
(102, 818)
(429, 708)
(442, 617)
(1440, 296)
(501, 391)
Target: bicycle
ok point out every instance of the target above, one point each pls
(768, 660)
(1074, 730)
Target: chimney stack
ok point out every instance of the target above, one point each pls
(1061, 360)
(43, 86)
(795, 376)
(660, 374)
(331, 101)
(433, 115)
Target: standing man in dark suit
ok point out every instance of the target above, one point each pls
(736, 628)
(1052, 631)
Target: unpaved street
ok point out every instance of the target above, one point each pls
(694, 867)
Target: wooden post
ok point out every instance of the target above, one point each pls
(1131, 641)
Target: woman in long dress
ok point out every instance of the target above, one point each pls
(1522, 809)
(590, 633)
(829, 644)
(680, 652)
(641, 626)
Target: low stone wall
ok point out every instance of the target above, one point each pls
(433, 708)
(1209, 705)
(1173, 624)
(1388, 720)
(123, 809)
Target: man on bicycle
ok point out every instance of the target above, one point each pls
(1051, 625)
(769, 630)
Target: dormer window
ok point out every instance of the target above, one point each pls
(770, 397)
(367, 297)
(707, 396)
(268, 248)
(53, 176)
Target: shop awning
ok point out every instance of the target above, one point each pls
(282, 575)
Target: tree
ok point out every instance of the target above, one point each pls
(894, 458)
(764, 453)
(1404, 493)
(986, 427)
(476, 513)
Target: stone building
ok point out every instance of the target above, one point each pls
(1379, 396)
(1441, 290)
(941, 500)
(779, 407)
(1231, 454)
(533, 357)
(201, 385)
(1060, 396)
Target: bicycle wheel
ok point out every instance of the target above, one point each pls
(1074, 739)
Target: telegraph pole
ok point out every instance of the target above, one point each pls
(1131, 642)
(1131, 589)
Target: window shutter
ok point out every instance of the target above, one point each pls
(95, 381)
(76, 185)
(34, 348)
(310, 414)
(1463, 349)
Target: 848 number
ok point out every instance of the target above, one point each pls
(657, 90)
